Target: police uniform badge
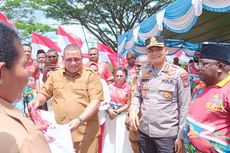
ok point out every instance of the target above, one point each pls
(144, 89)
(167, 95)
(185, 80)
(146, 75)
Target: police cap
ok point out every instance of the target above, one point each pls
(155, 41)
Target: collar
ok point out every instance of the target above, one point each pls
(63, 71)
(8, 109)
(122, 87)
(224, 81)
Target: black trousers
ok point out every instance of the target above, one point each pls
(156, 145)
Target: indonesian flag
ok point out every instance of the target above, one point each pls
(41, 42)
(179, 53)
(123, 61)
(65, 38)
(4, 19)
(107, 55)
(114, 60)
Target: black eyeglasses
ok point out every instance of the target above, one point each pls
(72, 59)
(201, 64)
(137, 65)
(51, 56)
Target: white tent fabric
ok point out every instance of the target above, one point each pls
(179, 16)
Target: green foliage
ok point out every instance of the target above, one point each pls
(105, 19)
(29, 27)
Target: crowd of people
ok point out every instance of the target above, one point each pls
(148, 106)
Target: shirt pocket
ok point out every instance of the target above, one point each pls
(58, 89)
(80, 91)
(166, 92)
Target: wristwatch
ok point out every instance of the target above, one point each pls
(81, 120)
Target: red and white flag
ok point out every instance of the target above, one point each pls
(65, 38)
(107, 54)
(4, 19)
(41, 42)
(114, 60)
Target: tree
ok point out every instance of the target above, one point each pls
(22, 15)
(105, 19)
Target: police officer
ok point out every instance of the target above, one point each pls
(162, 96)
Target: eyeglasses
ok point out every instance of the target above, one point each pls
(51, 57)
(70, 60)
(137, 65)
(201, 64)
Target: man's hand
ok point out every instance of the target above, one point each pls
(179, 146)
(74, 124)
(133, 120)
(34, 103)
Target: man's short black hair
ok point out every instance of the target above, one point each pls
(93, 48)
(41, 51)
(8, 50)
(28, 45)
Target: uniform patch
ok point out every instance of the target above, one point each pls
(167, 81)
(185, 80)
(146, 75)
(167, 95)
(144, 89)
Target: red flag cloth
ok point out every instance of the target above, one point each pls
(38, 120)
(114, 60)
(4, 19)
(104, 48)
(123, 62)
(179, 53)
(43, 41)
(68, 38)
(113, 56)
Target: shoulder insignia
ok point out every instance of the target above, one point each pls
(185, 80)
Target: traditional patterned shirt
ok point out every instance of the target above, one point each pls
(33, 69)
(119, 95)
(131, 74)
(208, 123)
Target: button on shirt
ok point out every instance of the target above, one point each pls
(71, 97)
(163, 100)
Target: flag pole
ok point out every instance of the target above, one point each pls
(85, 36)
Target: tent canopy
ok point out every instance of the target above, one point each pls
(211, 26)
(184, 23)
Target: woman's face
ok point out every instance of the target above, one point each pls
(120, 77)
(15, 78)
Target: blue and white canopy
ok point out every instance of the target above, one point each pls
(187, 20)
